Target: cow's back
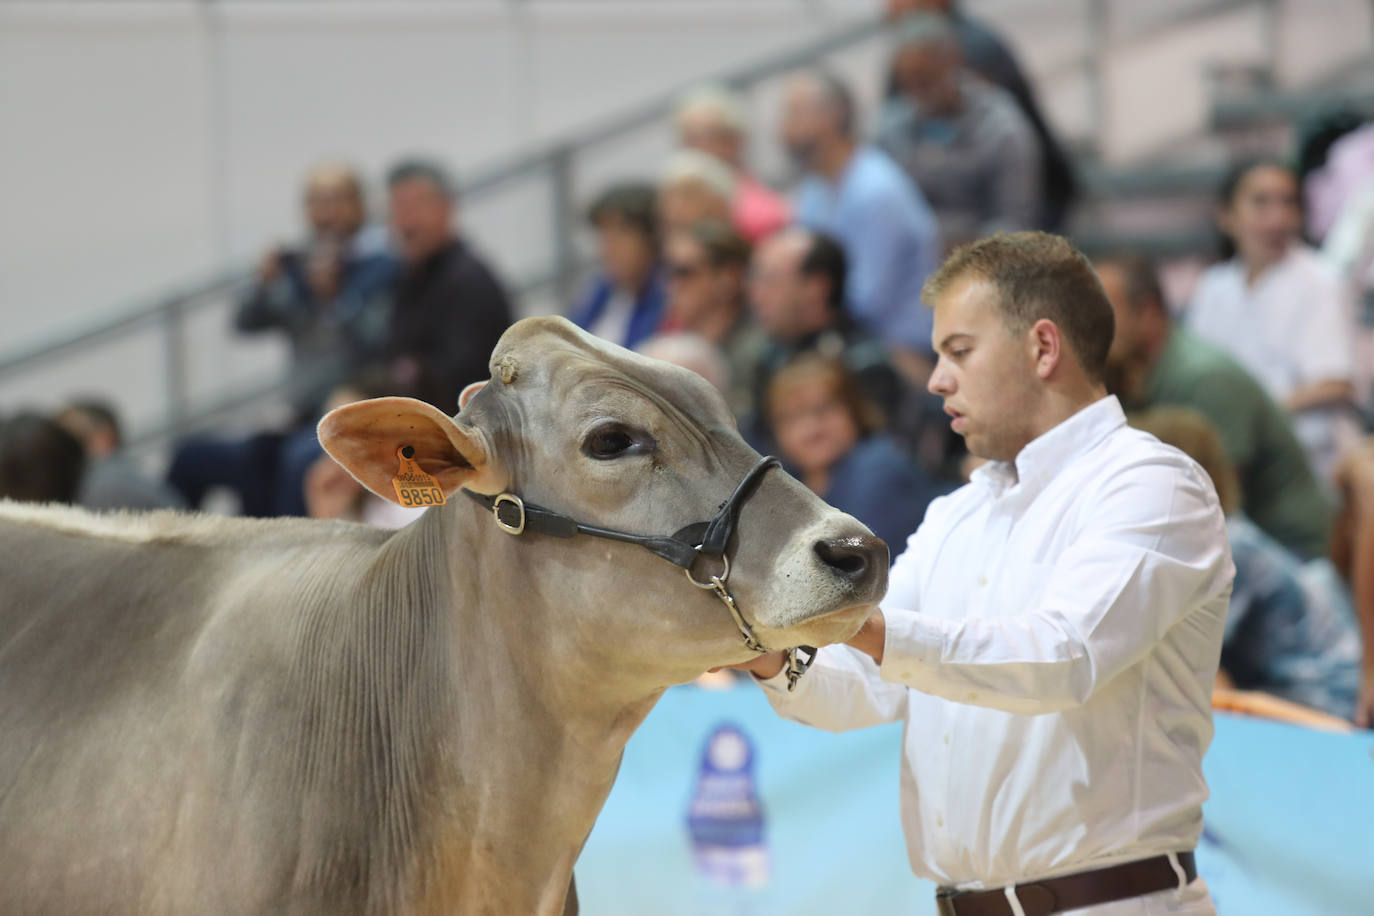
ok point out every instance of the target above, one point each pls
(146, 705)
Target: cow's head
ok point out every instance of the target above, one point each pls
(619, 441)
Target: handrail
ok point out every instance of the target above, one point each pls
(551, 161)
(485, 179)
(542, 158)
(122, 319)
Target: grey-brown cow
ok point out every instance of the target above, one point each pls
(204, 715)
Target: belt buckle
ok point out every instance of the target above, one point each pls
(944, 902)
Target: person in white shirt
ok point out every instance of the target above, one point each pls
(1284, 314)
(1050, 636)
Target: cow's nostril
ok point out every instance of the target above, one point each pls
(851, 557)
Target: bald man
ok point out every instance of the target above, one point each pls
(329, 293)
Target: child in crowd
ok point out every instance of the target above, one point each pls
(830, 438)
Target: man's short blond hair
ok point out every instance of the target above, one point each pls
(1037, 275)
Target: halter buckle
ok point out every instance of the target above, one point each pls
(516, 527)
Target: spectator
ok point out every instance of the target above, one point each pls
(694, 187)
(450, 309)
(705, 265)
(1280, 310)
(1347, 184)
(1336, 157)
(987, 55)
(1153, 363)
(329, 295)
(40, 461)
(964, 142)
(625, 302)
(830, 437)
(112, 479)
(796, 291)
(711, 119)
(331, 492)
(251, 468)
(1353, 553)
(447, 315)
(1290, 629)
(858, 195)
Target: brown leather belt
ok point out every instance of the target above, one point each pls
(1070, 892)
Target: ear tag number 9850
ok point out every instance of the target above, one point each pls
(413, 486)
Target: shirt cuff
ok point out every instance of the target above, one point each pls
(775, 684)
(911, 642)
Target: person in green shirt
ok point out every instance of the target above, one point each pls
(1154, 362)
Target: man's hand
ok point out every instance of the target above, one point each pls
(762, 666)
(269, 268)
(871, 637)
(869, 640)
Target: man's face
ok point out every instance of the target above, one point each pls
(929, 75)
(334, 209)
(776, 285)
(421, 218)
(985, 375)
(806, 122)
(1126, 342)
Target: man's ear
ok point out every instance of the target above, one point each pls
(365, 438)
(1047, 347)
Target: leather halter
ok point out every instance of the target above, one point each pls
(702, 540)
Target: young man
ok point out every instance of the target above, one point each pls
(1051, 634)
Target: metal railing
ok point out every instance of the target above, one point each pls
(555, 164)
(552, 162)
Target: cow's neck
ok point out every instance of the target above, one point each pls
(532, 731)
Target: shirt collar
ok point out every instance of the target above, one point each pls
(1050, 452)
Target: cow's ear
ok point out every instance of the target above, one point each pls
(467, 393)
(368, 438)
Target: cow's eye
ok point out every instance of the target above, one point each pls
(612, 441)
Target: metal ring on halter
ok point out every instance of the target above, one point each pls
(714, 581)
(518, 503)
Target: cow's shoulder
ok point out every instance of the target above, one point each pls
(174, 527)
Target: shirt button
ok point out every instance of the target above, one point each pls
(973, 695)
(946, 739)
(982, 580)
(939, 821)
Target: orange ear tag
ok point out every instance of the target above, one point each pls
(414, 487)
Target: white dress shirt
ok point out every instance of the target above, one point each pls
(1053, 631)
(1293, 326)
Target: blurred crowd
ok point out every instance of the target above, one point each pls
(805, 312)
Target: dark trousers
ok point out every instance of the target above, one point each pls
(266, 471)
